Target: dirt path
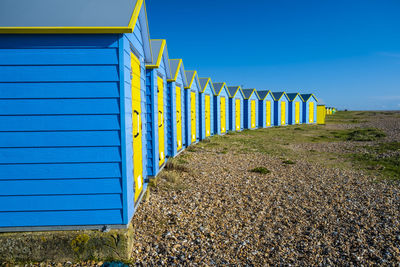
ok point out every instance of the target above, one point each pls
(216, 211)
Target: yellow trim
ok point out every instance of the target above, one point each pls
(160, 54)
(258, 96)
(135, 14)
(191, 82)
(204, 88)
(250, 94)
(310, 97)
(223, 84)
(284, 93)
(177, 72)
(269, 92)
(80, 30)
(209, 81)
(237, 90)
(63, 30)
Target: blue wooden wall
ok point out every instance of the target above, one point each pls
(134, 42)
(292, 110)
(262, 112)
(232, 110)
(61, 131)
(187, 120)
(247, 111)
(306, 110)
(180, 83)
(224, 93)
(277, 111)
(152, 117)
(202, 120)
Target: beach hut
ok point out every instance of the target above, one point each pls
(176, 132)
(281, 108)
(250, 108)
(321, 114)
(192, 107)
(73, 117)
(206, 98)
(221, 108)
(157, 75)
(309, 108)
(236, 108)
(265, 109)
(295, 108)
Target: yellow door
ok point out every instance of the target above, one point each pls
(253, 114)
(268, 115)
(321, 114)
(193, 115)
(237, 114)
(178, 119)
(297, 112)
(208, 115)
(161, 145)
(136, 126)
(223, 114)
(283, 113)
(311, 110)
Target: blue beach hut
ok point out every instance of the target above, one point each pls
(250, 108)
(157, 75)
(265, 109)
(176, 131)
(73, 117)
(221, 108)
(309, 108)
(295, 108)
(206, 98)
(192, 107)
(281, 108)
(236, 108)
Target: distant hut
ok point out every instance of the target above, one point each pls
(309, 108)
(236, 112)
(176, 106)
(158, 73)
(321, 114)
(295, 108)
(192, 107)
(250, 108)
(206, 98)
(221, 108)
(281, 108)
(265, 109)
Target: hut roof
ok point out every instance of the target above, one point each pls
(264, 93)
(292, 96)
(176, 66)
(203, 84)
(69, 16)
(307, 97)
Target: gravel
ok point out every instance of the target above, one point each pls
(301, 214)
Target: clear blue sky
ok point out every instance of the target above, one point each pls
(347, 52)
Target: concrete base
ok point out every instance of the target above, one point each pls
(62, 246)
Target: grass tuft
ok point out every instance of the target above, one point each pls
(383, 158)
(288, 162)
(261, 170)
(176, 164)
(366, 134)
